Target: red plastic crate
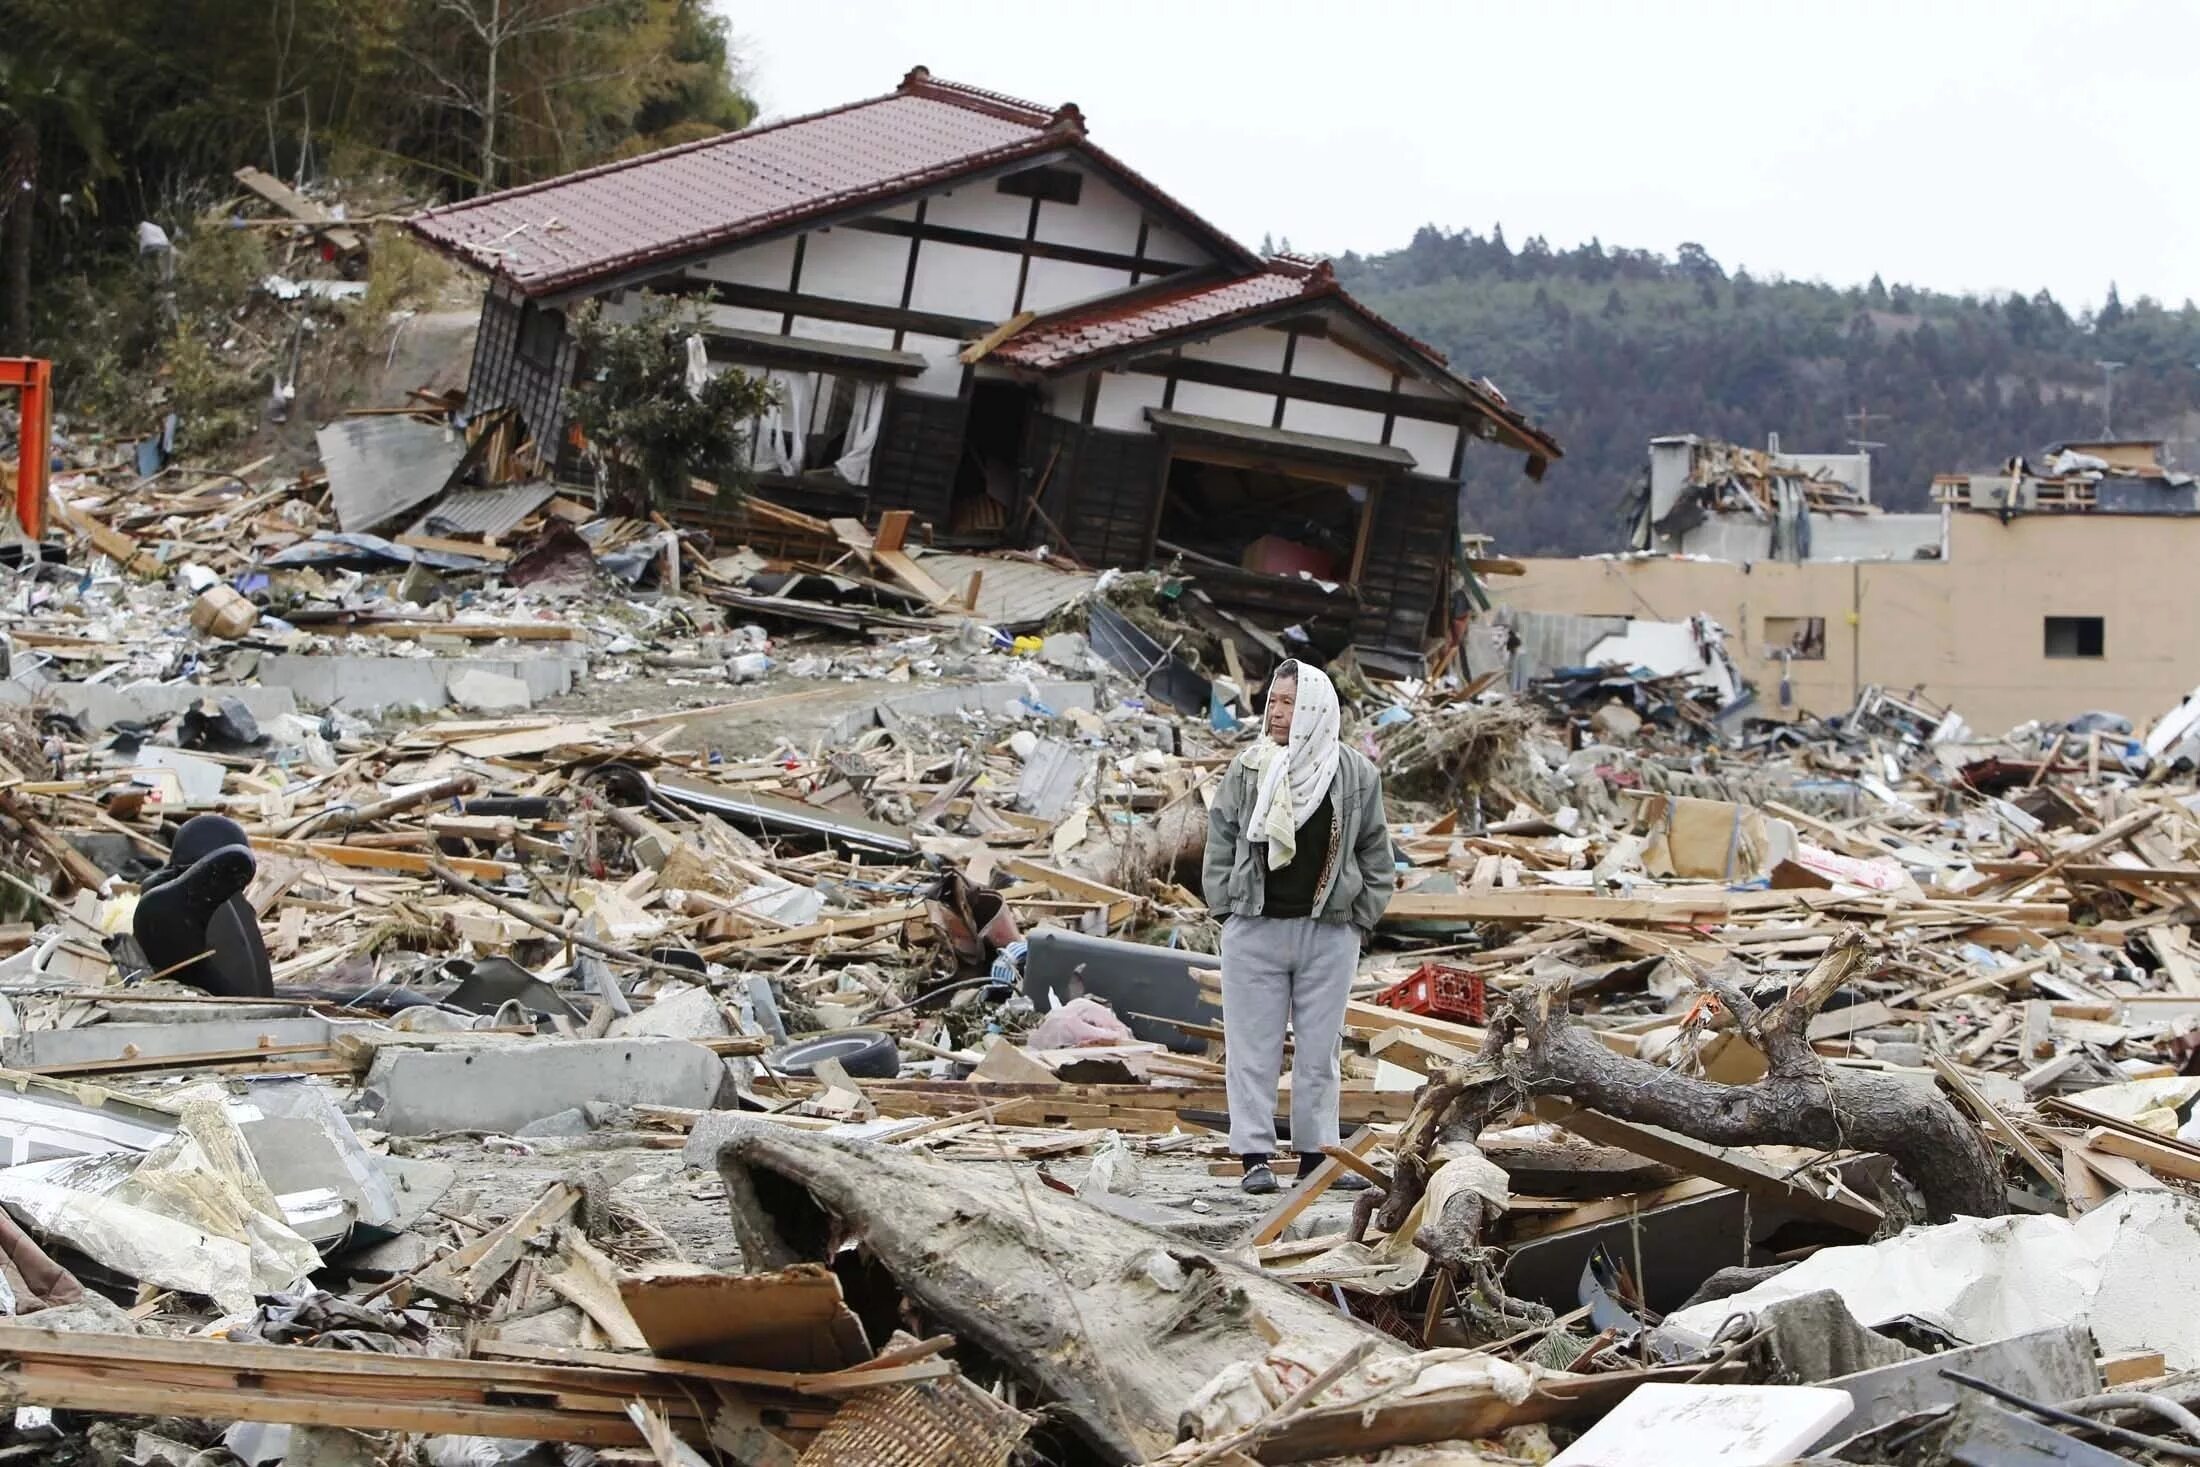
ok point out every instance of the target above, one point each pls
(1438, 991)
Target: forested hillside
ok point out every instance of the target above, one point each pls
(116, 111)
(1610, 348)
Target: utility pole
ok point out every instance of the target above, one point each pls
(2108, 396)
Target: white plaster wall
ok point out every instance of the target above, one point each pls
(1356, 424)
(958, 280)
(855, 265)
(818, 329)
(1164, 243)
(1330, 362)
(979, 206)
(1258, 408)
(1252, 346)
(1431, 444)
(770, 264)
(744, 318)
(1056, 283)
(1064, 397)
(943, 378)
(1124, 398)
(1103, 218)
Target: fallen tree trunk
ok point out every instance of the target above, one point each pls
(1800, 1101)
(1117, 1324)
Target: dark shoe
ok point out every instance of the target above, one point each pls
(1346, 1182)
(1258, 1180)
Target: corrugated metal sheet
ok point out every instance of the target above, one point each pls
(485, 512)
(380, 467)
(1013, 594)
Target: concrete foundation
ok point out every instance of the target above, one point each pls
(98, 706)
(417, 1091)
(369, 684)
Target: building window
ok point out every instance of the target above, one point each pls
(540, 331)
(1802, 638)
(1055, 185)
(2076, 636)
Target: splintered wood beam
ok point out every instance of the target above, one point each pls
(1311, 1186)
(468, 1274)
(1721, 1164)
(135, 1375)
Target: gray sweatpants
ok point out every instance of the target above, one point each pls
(1274, 970)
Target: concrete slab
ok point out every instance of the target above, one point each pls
(42, 1048)
(490, 692)
(98, 706)
(992, 699)
(417, 1091)
(370, 684)
(687, 1013)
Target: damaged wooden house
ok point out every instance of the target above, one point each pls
(974, 313)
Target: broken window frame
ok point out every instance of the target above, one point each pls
(1797, 638)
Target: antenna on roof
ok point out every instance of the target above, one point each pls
(1862, 418)
(2108, 397)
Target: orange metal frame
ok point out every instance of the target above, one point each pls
(33, 378)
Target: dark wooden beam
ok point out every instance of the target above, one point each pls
(756, 297)
(1307, 389)
(1029, 247)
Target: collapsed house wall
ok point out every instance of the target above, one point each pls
(1971, 631)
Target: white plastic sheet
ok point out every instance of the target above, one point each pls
(2129, 1270)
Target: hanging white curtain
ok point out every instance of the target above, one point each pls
(864, 415)
(776, 434)
(794, 419)
(698, 366)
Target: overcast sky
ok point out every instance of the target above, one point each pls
(1954, 145)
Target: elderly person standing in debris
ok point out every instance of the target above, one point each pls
(1299, 867)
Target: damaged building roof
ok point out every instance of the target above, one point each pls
(1091, 334)
(581, 227)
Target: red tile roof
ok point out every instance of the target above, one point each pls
(566, 231)
(1063, 340)
(1083, 335)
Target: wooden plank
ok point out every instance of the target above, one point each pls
(985, 345)
(2132, 1365)
(371, 858)
(300, 208)
(1722, 1164)
(903, 567)
(829, 927)
(2143, 875)
(1558, 903)
(467, 1274)
(1121, 905)
(1610, 1209)
(1363, 1020)
(2038, 1038)
(2167, 1161)
(1419, 1052)
(478, 548)
(1287, 1207)
(1979, 1106)
(472, 631)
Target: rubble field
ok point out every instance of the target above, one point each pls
(748, 1000)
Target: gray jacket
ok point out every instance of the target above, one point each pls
(1363, 876)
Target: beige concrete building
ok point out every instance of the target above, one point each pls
(2039, 615)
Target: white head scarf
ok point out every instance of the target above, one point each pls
(1294, 777)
